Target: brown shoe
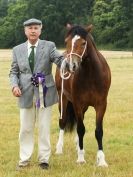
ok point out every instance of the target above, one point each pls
(44, 166)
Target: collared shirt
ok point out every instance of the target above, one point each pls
(29, 47)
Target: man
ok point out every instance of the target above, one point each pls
(32, 63)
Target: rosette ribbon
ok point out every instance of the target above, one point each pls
(38, 80)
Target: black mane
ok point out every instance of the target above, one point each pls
(77, 30)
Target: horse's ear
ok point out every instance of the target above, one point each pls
(89, 28)
(68, 26)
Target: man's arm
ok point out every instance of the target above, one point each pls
(56, 56)
(13, 75)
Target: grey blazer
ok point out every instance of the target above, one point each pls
(20, 73)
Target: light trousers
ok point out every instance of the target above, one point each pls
(28, 119)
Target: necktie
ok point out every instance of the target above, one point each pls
(31, 58)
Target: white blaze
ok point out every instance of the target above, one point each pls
(74, 39)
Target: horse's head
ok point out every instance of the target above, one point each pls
(76, 45)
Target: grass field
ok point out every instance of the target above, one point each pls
(118, 131)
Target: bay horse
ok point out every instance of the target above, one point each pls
(88, 85)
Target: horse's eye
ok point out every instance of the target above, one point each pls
(83, 44)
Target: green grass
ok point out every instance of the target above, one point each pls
(118, 132)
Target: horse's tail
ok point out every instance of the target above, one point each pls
(70, 118)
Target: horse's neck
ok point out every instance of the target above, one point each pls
(94, 57)
(92, 65)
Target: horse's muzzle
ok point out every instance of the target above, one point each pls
(74, 64)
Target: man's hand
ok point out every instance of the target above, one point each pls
(16, 91)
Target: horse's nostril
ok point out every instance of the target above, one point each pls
(74, 66)
(67, 66)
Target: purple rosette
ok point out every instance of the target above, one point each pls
(38, 80)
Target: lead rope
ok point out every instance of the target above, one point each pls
(64, 75)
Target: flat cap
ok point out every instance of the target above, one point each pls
(32, 21)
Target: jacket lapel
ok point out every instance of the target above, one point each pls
(24, 55)
(39, 53)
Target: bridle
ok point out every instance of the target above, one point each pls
(65, 61)
(76, 37)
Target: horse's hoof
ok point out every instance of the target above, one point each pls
(59, 149)
(102, 164)
(81, 156)
(81, 161)
(101, 159)
(59, 152)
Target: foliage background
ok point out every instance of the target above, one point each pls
(112, 20)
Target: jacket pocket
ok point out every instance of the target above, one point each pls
(49, 80)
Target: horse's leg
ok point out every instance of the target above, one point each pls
(80, 132)
(100, 110)
(76, 137)
(62, 123)
(59, 145)
(77, 141)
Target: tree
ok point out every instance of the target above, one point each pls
(3, 8)
(55, 14)
(128, 12)
(12, 28)
(112, 20)
(111, 23)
